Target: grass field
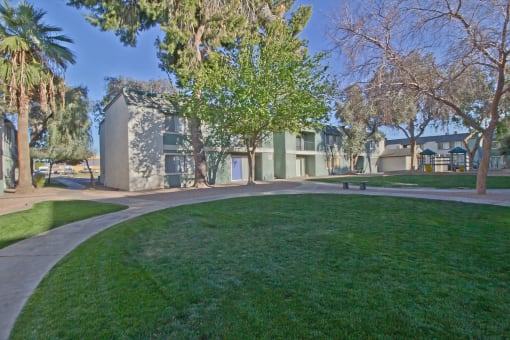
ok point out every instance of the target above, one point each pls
(48, 215)
(285, 267)
(439, 181)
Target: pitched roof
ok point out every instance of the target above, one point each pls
(333, 130)
(162, 103)
(458, 149)
(422, 140)
(428, 152)
(398, 152)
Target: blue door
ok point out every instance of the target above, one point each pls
(237, 168)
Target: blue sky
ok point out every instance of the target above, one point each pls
(100, 54)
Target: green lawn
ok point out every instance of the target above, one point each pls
(440, 181)
(48, 215)
(285, 267)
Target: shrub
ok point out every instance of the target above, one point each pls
(39, 180)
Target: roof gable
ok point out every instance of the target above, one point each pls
(397, 153)
(422, 140)
(160, 102)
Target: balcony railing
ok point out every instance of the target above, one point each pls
(305, 146)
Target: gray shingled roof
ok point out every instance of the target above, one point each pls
(162, 103)
(397, 153)
(456, 137)
(333, 130)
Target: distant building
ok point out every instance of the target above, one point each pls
(397, 155)
(8, 155)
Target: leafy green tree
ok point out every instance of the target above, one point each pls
(41, 112)
(193, 31)
(265, 83)
(32, 57)
(68, 138)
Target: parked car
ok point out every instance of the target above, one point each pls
(68, 170)
(44, 170)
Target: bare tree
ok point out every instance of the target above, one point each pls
(458, 35)
(360, 121)
(403, 108)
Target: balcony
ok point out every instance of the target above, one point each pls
(304, 145)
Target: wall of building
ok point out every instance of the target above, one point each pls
(264, 166)
(394, 164)
(102, 136)
(2, 185)
(280, 162)
(8, 155)
(114, 146)
(146, 157)
(317, 164)
(219, 167)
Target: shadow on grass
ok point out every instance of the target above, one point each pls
(45, 216)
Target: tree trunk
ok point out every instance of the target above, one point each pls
(472, 152)
(483, 170)
(197, 140)
(488, 134)
(412, 146)
(50, 170)
(25, 175)
(251, 164)
(92, 179)
(354, 160)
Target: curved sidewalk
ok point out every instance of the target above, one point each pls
(24, 264)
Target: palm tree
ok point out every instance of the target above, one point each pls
(32, 61)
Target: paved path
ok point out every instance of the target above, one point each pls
(24, 264)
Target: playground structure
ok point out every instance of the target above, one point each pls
(430, 161)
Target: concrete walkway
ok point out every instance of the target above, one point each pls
(24, 264)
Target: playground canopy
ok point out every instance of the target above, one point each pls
(458, 159)
(427, 160)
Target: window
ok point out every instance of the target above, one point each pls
(332, 139)
(444, 146)
(175, 123)
(178, 164)
(8, 135)
(299, 143)
(458, 144)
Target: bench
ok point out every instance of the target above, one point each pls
(362, 185)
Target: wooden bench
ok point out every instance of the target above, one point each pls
(362, 185)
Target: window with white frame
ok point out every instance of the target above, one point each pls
(174, 123)
(8, 135)
(444, 145)
(178, 164)
(458, 144)
(299, 143)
